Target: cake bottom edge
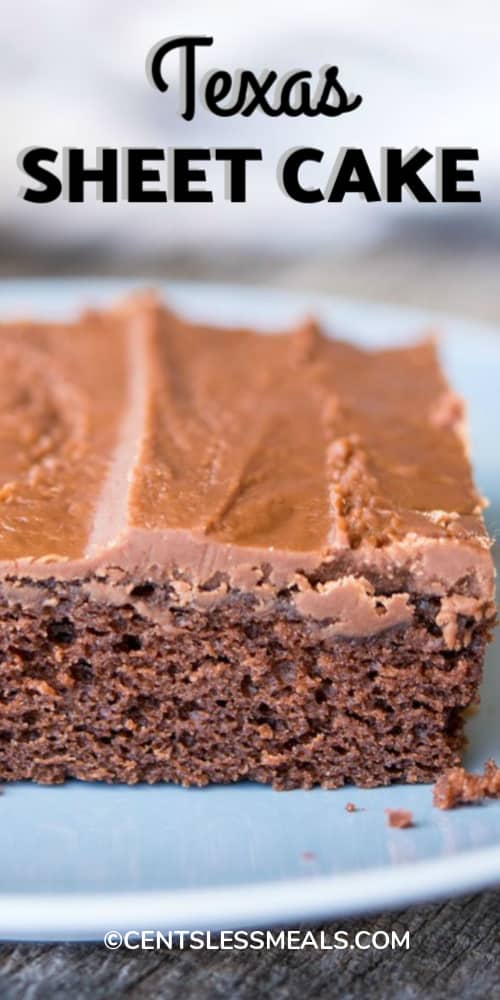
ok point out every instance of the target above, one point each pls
(101, 692)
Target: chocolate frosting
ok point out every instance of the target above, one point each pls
(136, 440)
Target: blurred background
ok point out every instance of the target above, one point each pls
(72, 73)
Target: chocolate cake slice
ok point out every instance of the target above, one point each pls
(231, 555)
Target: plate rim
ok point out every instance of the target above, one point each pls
(425, 318)
(266, 903)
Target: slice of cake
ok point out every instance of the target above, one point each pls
(232, 555)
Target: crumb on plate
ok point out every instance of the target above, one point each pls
(457, 787)
(401, 819)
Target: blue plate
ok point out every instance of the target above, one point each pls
(77, 860)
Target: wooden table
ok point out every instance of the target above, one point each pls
(455, 945)
(454, 953)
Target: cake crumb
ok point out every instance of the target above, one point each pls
(401, 819)
(458, 787)
(350, 807)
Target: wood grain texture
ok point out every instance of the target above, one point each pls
(454, 952)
